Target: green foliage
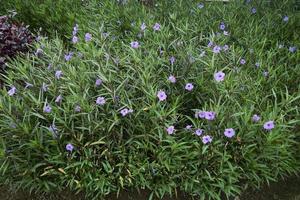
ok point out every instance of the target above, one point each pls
(112, 152)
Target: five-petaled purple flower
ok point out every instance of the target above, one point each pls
(255, 118)
(170, 130)
(217, 49)
(134, 44)
(69, 147)
(222, 26)
(210, 115)
(100, 101)
(229, 132)
(88, 37)
(156, 27)
(68, 56)
(189, 86)
(219, 76)
(243, 61)
(74, 39)
(206, 139)
(58, 74)
(257, 64)
(47, 108)
(172, 79)
(161, 95)
(199, 132)
(125, 111)
(269, 125)
(201, 114)
(12, 91)
(98, 82)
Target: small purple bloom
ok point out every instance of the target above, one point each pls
(199, 132)
(69, 147)
(200, 5)
(74, 39)
(88, 37)
(243, 61)
(201, 114)
(58, 99)
(156, 27)
(100, 101)
(222, 26)
(68, 56)
(189, 86)
(225, 47)
(255, 118)
(206, 139)
(188, 127)
(47, 108)
(217, 49)
(269, 125)
(75, 29)
(285, 18)
(125, 111)
(210, 115)
(58, 74)
(265, 73)
(77, 108)
(161, 95)
(210, 44)
(134, 44)
(98, 82)
(45, 87)
(293, 49)
(172, 79)
(219, 76)
(170, 130)
(229, 132)
(257, 64)
(253, 10)
(172, 60)
(143, 26)
(12, 91)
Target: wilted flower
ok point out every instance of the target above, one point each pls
(68, 56)
(225, 47)
(77, 108)
(12, 91)
(219, 76)
(188, 127)
(161, 95)
(285, 18)
(69, 147)
(58, 99)
(58, 74)
(28, 85)
(88, 37)
(200, 5)
(143, 26)
(75, 29)
(39, 52)
(269, 125)
(156, 27)
(172, 60)
(52, 128)
(74, 39)
(226, 33)
(134, 44)
(100, 101)
(210, 43)
(210, 115)
(206, 139)
(172, 79)
(199, 132)
(202, 54)
(217, 49)
(229, 132)
(189, 86)
(47, 108)
(125, 111)
(45, 87)
(98, 82)
(255, 118)
(170, 130)
(243, 61)
(257, 64)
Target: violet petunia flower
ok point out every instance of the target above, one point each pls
(134, 44)
(88, 37)
(98, 82)
(69, 147)
(74, 39)
(210, 115)
(269, 125)
(217, 49)
(219, 76)
(75, 29)
(255, 118)
(12, 91)
(100, 101)
(243, 61)
(285, 18)
(172, 79)
(161, 95)
(210, 44)
(170, 130)
(265, 73)
(201, 114)
(47, 108)
(293, 49)
(68, 56)
(199, 132)
(156, 27)
(125, 111)
(58, 74)
(257, 64)
(229, 132)
(39, 52)
(206, 139)
(225, 47)
(189, 86)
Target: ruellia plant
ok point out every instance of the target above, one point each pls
(171, 103)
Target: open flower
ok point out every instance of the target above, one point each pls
(229, 132)
(58, 74)
(219, 76)
(161, 95)
(170, 130)
(156, 27)
(47, 108)
(199, 132)
(69, 147)
(100, 101)
(255, 118)
(189, 86)
(206, 139)
(172, 79)
(88, 37)
(125, 111)
(134, 44)
(269, 125)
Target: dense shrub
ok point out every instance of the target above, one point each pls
(167, 102)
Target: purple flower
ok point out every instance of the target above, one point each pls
(74, 39)
(293, 49)
(77, 108)
(253, 10)
(172, 60)
(285, 18)
(12, 91)
(161, 95)
(156, 27)
(170, 130)
(28, 85)
(229, 132)
(225, 47)
(68, 56)
(200, 5)
(75, 29)
(58, 74)
(125, 111)
(143, 26)
(188, 127)
(206, 139)
(257, 64)
(47, 108)
(210, 115)
(134, 44)
(255, 118)
(222, 26)
(172, 79)
(189, 86)
(88, 37)
(201, 114)
(265, 73)
(219, 76)
(199, 132)
(69, 147)
(217, 49)
(210, 44)
(58, 99)
(100, 101)
(45, 87)
(243, 61)
(98, 82)
(269, 125)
